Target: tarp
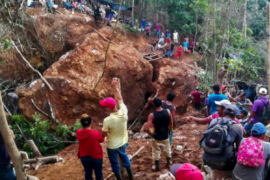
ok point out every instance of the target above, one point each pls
(114, 6)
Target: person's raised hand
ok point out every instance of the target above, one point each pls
(116, 82)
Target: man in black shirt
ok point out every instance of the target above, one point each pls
(162, 122)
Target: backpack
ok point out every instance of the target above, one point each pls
(251, 153)
(217, 138)
(265, 114)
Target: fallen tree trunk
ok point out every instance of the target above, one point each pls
(42, 160)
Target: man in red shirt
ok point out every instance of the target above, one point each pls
(90, 150)
(168, 40)
(197, 98)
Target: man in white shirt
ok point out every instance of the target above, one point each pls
(175, 37)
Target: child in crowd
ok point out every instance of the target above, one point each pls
(191, 46)
(179, 52)
(186, 45)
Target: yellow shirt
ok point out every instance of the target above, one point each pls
(116, 127)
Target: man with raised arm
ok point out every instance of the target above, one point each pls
(115, 131)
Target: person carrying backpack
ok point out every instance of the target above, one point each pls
(259, 111)
(252, 155)
(221, 141)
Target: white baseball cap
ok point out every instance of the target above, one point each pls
(263, 91)
(224, 103)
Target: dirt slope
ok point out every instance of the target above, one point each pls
(72, 169)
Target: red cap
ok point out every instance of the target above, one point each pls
(108, 103)
(223, 87)
(188, 172)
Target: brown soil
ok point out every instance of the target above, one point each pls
(187, 133)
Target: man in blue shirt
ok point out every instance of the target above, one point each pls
(211, 105)
(143, 25)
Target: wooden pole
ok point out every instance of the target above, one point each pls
(12, 149)
(34, 148)
(132, 12)
(268, 46)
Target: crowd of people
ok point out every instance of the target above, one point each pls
(172, 48)
(235, 138)
(233, 141)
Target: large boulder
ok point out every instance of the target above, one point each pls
(75, 75)
(177, 76)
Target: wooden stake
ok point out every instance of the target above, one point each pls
(34, 148)
(268, 46)
(104, 36)
(11, 147)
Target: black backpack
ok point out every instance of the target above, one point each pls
(215, 142)
(217, 138)
(265, 114)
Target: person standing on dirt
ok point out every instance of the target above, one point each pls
(143, 25)
(6, 168)
(157, 30)
(90, 150)
(211, 105)
(257, 110)
(162, 122)
(186, 46)
(168, 42)
(147, 30)
(260, 155)
(220, 113)
(115, 131)
(169, 105)
(175, 37)
(221, 141)
(197, 98)
(191, 46)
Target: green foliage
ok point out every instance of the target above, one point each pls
(47, 138)
(134, 31)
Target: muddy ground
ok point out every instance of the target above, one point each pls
(186, 134)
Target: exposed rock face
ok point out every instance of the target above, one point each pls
(177, 76)
(75, 75)
(49, 36)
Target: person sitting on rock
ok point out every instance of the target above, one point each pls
(115, 131)
(162, 122)
(90, 150)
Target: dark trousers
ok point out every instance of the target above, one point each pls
(197, 106)
(7, 173)
(91, 164)
(113, 157)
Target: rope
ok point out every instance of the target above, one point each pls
(108, 46)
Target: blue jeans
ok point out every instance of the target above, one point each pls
(171, 137)
(7, 173)
(248, 127)
(113, 157)
(91, 164)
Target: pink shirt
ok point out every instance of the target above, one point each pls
(216, 115)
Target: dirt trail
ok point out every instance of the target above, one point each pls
(185, 133)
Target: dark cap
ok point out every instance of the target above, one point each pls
(216, 87)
